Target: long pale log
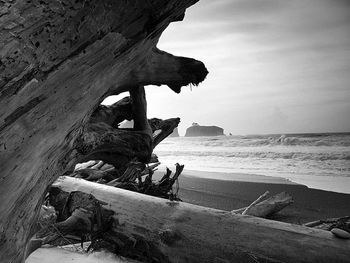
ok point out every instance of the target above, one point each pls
(59, 60)
(190, 233)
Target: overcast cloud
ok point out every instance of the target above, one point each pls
(275, 66)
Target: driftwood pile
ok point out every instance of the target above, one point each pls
(152, 229)
(149, 230)
(139, 227)
(137, 177)
(124, 159)
(121, 158)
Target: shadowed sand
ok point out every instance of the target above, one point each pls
(309, 204)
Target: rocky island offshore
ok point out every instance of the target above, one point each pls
(199, 130)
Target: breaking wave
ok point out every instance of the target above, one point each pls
(266, 155)
(275, 140)
(308, 154)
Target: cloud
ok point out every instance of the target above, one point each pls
(262, 53)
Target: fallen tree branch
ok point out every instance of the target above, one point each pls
(329, 223)
(180, 232)
(246, 211)
(267, 207)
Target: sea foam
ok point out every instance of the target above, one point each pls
(289, 156)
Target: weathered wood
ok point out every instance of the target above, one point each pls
(187, 233)
(260, 198)
(136, 177)
(164, 128)
(164, 68)
(59, 60)
(266, 207)
(113, 114)
(102, 140)
(329, 223)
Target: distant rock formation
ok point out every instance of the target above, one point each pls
(198, 130)
(175, 133)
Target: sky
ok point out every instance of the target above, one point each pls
(274, 66)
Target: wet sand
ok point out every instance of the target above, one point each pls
(309, 204)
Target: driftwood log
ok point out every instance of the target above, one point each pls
(179, 232)
(330, 223)
(267, 207)
(59, 60)
(102, 139)
(122, 156)
(99, 140)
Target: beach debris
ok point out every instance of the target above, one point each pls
(85, 165)
(328, 224)
(137, 177)
(260, 198)
(158, 230)
(266, 207)
(103, 144)
(123, 157)
(340, 233)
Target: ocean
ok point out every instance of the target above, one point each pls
(320, 161)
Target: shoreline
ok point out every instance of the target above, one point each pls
(335, 184)
(325, 183)
(238, 177)
(309, 204)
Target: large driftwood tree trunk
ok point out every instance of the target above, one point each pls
(59, 60)
(180, 232)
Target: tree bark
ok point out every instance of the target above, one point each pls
(59, 60)
(180, 232)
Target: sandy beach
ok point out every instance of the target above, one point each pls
(309, 204)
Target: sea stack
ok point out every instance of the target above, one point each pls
(198, 130)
